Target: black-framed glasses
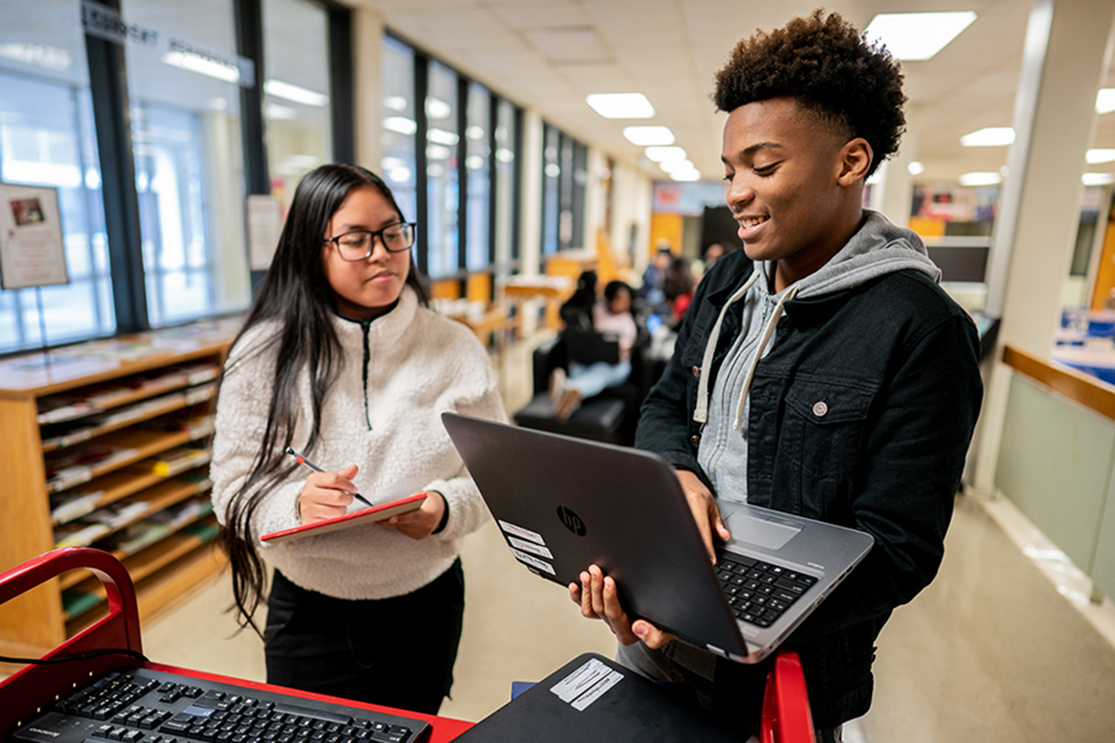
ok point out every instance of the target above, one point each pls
(359, 244)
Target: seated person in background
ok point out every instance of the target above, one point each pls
(576, 313)
(653, 277)
(678, 285)
(586, 380)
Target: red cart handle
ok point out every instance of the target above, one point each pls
(786, 714)
(118, 631)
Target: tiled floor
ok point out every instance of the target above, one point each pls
(991, 651)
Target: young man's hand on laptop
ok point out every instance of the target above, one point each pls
(598, 599)
(705, 511)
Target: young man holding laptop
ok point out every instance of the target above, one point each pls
(820, 372)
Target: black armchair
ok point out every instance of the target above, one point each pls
(610, 417)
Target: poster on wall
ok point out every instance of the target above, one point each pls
(31, 249)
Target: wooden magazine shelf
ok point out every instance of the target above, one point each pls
(107, 444)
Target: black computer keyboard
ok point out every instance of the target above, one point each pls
(759, 592)
(140, 705)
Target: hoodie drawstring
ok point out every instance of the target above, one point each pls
(700, 413)
(768, 331)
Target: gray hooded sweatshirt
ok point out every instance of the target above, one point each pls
(877, 249)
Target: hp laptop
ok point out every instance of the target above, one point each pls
(593, 698)
(563, 504)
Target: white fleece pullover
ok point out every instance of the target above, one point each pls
(420, 365)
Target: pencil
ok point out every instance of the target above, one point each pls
(302, 460)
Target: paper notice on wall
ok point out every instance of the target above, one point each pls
(265, 224)
(32, 252)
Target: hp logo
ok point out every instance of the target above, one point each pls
(571, 521)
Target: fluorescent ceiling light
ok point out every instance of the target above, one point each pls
(991, 136)
(1097, 179)
(437, 152)
(438, 109)
(275, 112)
(665, 154)
(1099, 156)
(917, 36)
(552, 170)
(201, 65)
(980, 179)
(400, 124)
(295, 93)
(474, 162)
(475, 133)
(50, 57)
(395, 103)
(686, 175)
(504, 155)
(915, 168)
(442, 137)
(1105, 101)
(399, 175)
(647, 136)
(673, 165)
(621, 105)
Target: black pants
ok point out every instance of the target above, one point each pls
(397, 652)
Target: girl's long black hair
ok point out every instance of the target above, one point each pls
(297, 297)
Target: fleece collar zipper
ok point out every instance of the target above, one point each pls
(365, 326)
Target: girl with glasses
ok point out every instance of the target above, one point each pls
(341, 359)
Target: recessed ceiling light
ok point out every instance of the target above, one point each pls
(917, 36)
(647, 136)
(686, 175)
(621, 105)
(915, 168)
(991, 136)
(1095, 156)
(665, 154)
(295, 93)
(1105, 101)
(1097, 179)
(980, 179)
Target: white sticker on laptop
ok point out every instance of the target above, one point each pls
(536, 549)
(533, 561)
(519, 531)
(587, 684)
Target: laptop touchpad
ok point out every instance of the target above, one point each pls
(770, 533)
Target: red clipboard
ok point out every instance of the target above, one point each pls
(364, 516)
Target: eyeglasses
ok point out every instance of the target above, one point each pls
(359, 244)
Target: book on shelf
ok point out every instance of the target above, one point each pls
(196, 425)
(70, 505)
(157, 526)
(79, 534)
(176, 461)
(75, 466)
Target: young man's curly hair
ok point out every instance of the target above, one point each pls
(830, 69)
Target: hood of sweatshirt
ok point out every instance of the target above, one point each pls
(876, 249)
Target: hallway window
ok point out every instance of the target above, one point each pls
(442, 151)
(507, 185)
(189, 167)
(399, 126)
(47, 139)
(477, 163)
(296, 92)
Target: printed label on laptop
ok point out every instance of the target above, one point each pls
(519, 531)
(588, 683)
(536, 549)
(533, 561)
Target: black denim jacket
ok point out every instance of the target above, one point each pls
(895, 361)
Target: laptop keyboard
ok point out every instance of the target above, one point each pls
(145, 706)
(759, 592)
